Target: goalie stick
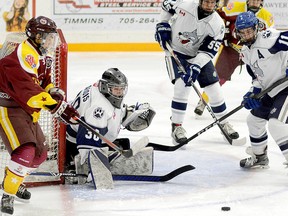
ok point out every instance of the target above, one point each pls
(148, 178)
(160, 147)
(126, 153)
(241, 141)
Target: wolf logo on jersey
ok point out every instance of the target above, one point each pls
(257, 70)
(188, 37)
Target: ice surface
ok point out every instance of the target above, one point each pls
(217, 180)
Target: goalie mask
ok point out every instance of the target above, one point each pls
(247, 27)
(42, 32)
(113, 86)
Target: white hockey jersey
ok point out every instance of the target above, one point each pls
(191, 36)
(267, 59)
(96, 110)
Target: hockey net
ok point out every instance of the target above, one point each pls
(54, 131)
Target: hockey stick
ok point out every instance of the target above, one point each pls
(160, 147)
(241, 141)
(148, 178)
(126, 153)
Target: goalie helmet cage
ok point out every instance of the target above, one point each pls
(53, 130)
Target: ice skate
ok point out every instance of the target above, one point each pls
(23, 195)
(199, 109)
(261, 161)
(228, 128)
(7, 204)
(178, 134)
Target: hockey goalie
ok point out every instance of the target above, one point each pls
(101, 106)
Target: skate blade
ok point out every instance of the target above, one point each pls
(21, 200)
(256, 167)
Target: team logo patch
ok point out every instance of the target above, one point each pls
(188, 37)
(266, 34)
(98, 113)
(261, 26)
(257, 70)
(230, 6)
(43, 21)
(30, 60)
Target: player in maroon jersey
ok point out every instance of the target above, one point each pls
(26, 89)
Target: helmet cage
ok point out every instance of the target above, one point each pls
(113, 86)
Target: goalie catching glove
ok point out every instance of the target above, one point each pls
(138, 117)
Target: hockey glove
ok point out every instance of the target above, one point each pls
(163, 34)
(249, 102)
(65, 112)
(138, 117)
(192, 72)
(57, 94)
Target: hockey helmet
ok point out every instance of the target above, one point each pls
(205, 12)
(42, 31)
(247, 27)
(113, 85)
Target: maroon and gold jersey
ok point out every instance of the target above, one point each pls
(233, 9)
(25, 78)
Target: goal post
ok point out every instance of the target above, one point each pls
(53, 130)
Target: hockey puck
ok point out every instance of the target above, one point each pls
(225, 208)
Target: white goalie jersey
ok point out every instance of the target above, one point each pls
(98, 112)
(267, 59)
(191, 36)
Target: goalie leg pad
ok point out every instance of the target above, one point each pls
(81, 168)
(139, 164)
(99, 168)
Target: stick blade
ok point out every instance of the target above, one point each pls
(176, 172)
